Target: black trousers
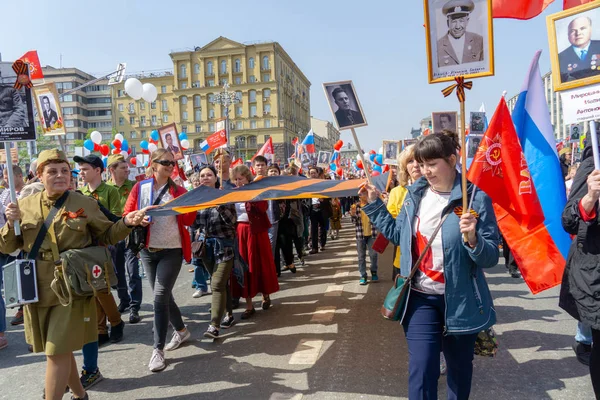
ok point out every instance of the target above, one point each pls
(317, 236)
(285, 244)
(595, 363)
(511, 264)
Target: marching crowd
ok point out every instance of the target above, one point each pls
(243, 248)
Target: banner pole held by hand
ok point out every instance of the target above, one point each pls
(11, 183)
(362, 158)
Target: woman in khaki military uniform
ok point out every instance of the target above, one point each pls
(49, 327)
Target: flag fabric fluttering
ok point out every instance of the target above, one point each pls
(35, 69)
(217, 139)
(519, 9)
(266, 150)
(548, 244)
(308, 144)
(574, 3)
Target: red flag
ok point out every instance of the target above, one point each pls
(236, 162)
(217, 139)
(499, 168)
(35, 69)
(267, 150)
(574, 3)
(519, 9)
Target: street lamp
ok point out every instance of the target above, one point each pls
(226, 98)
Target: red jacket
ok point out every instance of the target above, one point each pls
(183, 220)
(257, 216)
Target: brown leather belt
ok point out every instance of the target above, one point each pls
(154, 250)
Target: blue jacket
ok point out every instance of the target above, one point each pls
(469, 306)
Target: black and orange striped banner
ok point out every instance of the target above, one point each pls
(269, 188)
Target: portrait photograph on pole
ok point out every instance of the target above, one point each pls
(49, 112)
(574, 40)
(445, 120)
(390, 151)
(16, 107)
(477, 124)
(459, 39)
(170, 140)
(344, 104)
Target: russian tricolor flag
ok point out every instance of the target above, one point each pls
(308, 144)
(548, 245)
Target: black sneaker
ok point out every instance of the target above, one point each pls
(583, 352)
(103, 338)
(134, 317)
(211, 332)
(124, 307)
(227, 322)
(116, 332)
(89, 379)
(80, 398)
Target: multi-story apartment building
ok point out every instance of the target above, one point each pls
(88, 108)
(272, 94)
(326, 134)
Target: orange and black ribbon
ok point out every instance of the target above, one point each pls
(76, 214)
(460, 86)
(22, 71)
(459, 212)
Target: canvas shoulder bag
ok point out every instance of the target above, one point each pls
(395, 300)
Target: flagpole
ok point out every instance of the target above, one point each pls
(360, 154)
(463, 160)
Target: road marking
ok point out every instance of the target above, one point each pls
(534, 353)
(306, 353)
(323, 314)
(341, 274)
(286, 396)
(334, 290)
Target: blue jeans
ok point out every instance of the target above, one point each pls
(584, 333)
(125, 260)
(424, 326)
(2, 306)
(200, 275)
(364, 245)
(90, 357)
(273, 231)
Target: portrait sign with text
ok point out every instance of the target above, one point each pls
(580, 105)
(49, 112)
(16, 108)
(459, 39)
(344, 104)
(574, 40)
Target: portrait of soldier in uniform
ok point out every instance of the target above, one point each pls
(458, 45)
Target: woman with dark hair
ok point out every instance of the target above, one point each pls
(449, 302)
(254, 247)
(167, 245)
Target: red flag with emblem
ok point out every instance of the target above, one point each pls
(35, 69)
(267, 150)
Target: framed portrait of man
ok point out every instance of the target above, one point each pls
(390, 151)
(170, 140)
(16, 107)
(49, 112)
(408, 142)
(477, 124)
(460, 39)
(445, 120)
(323, 159)
(146, 195)
(344, 105)
(473, 143)
(198, 159)
(576, 132)
(574, 39)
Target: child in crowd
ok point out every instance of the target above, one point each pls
(365, 235)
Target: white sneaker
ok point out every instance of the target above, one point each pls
(199, 293)
(178, 339)
(157, 362)
(443, 366)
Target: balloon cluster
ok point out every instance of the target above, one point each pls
(376, 160)
(119, 146)
(136, 90)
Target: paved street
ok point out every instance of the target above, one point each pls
(323, 339)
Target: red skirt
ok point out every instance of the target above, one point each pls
(255, 249)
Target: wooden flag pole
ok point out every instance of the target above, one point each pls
(362, 158)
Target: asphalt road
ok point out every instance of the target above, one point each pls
(323, 339)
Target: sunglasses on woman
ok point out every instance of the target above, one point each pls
(165, 163)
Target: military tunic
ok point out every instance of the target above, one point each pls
(50, 327)
(124, 191)
(107, 195)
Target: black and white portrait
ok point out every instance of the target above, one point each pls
(390, 152)
(576, 131)
(574, 38)
(198, 159)
(323, 159)
(459, 38)
(49, 112)
(145, 196)
(344, 104)
(473, 142)
(16, 108)
(477, 122)
(446, 120)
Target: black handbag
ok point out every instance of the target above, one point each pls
(136, 241)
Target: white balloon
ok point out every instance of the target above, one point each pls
(152, 148)
(134, 89)
(124, 154)
(149, 92)
(185, 144)
(380, 151)
(119, 137)
(96, 137)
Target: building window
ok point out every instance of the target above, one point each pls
(252, 124)
(252, 140)
(224, 81)
(184, 85)
(211, 113)
(143, 134)
(267, 123)
(240, 142)
(164, 106)
(253, 111)
(238, 95)
(163, 89)
(197, 115)
(69, 123)
(223, 67)
(184, 128)
(142, 105)
(121, 107)
(238, 65)
(239, 125)
(120, 92)
(211, 98)
(252, 79)
(165, 118)
(209, 68)
(211, 127)
(153, 105)
(196, 84)
(131, 120)
(238, 80)
(265, 62)
(153, 119)
(267, 108)
(239, 111)
(184, 115)
(184, 100)
(196, 68)
(182, 71)
(252, 96)
(131, 107)
(198, 128)
(266, 93)
(132, 135)
(143, 121)
(251, 62)
(197, 101)
(121, 121)
(266, 77)
(267, 137)
(210, 83)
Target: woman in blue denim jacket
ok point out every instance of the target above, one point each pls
(449, 301)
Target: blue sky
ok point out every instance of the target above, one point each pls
(378, 45)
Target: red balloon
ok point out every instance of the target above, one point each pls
(386, 168)
(338, 145)
(129, 150)
(133, 161)
(116, 151)
(145, 151)
(375, 173)
(340, 171)
(96, 147)
(117, 144)
(372, 152)
(359, 164)
(104, 149)
(150, 140)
